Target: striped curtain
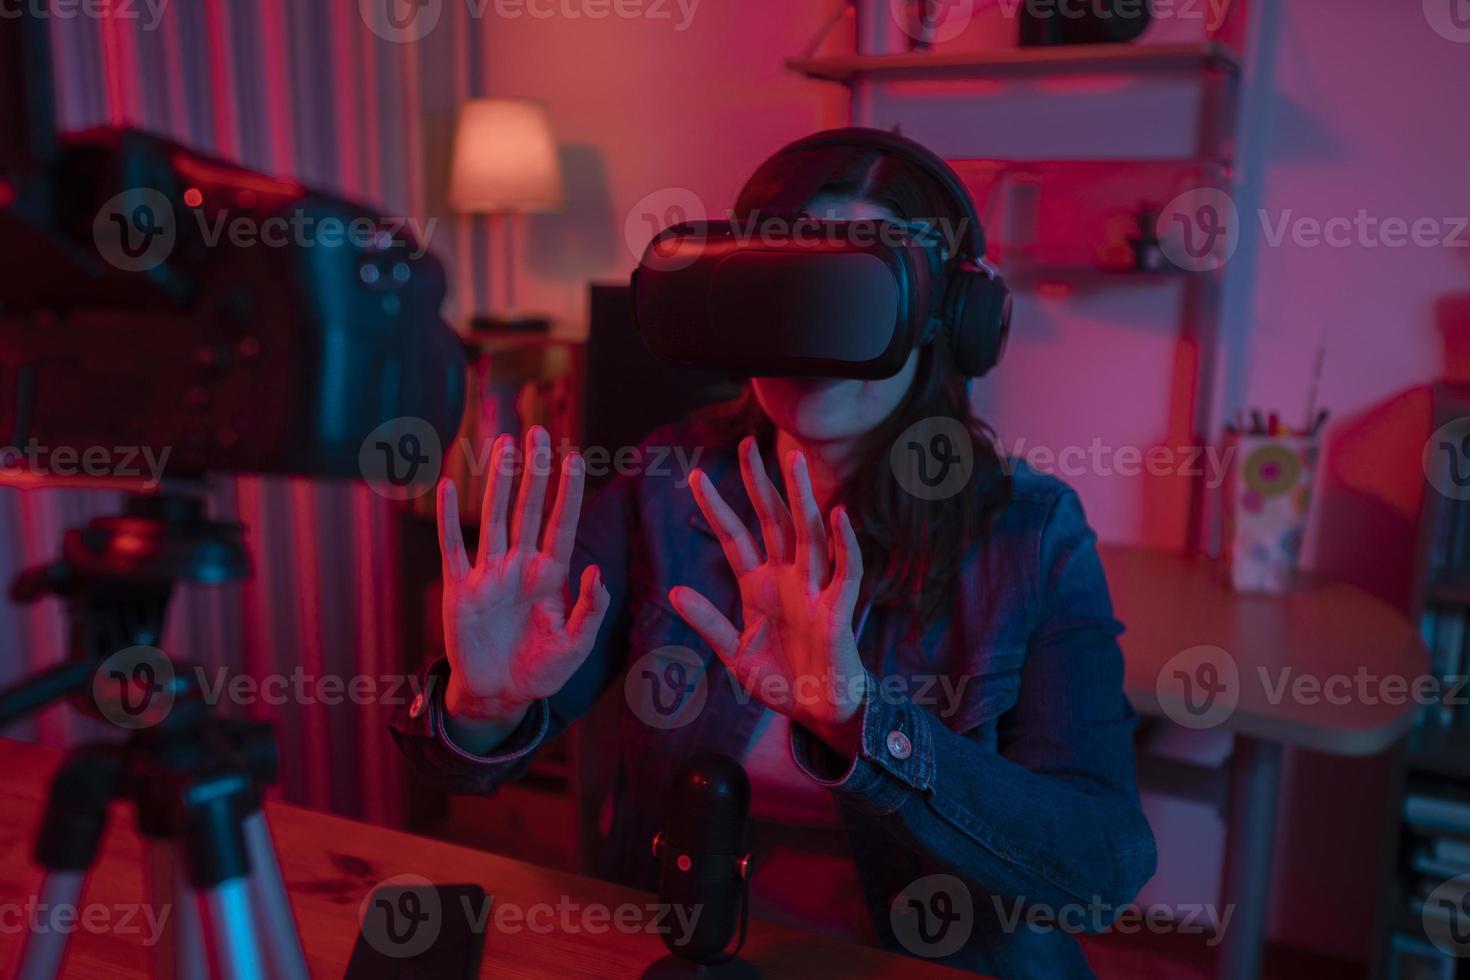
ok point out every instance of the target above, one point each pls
(300, 88)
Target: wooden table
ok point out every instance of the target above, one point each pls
(1172, 603)
(331, 863)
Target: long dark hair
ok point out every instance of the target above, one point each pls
(912, 548)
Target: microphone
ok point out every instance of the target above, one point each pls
(703, 863)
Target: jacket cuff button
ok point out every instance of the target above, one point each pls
(899, 746)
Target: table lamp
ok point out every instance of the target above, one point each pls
(505, 165)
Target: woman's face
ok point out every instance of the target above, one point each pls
(834, 409)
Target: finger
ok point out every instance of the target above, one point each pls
(590, 609)
(707, 621)
(847, 563)
(494, 507)
(774, 517)
(740, 551)
(811, 552)
(561, 529)
(534, 477)
(454, 562)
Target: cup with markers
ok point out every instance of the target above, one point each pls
(1271, 468)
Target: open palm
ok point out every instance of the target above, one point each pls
(507, 629)
(796, 651)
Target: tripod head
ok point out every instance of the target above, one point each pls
(116, 576)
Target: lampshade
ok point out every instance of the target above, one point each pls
(505, 158)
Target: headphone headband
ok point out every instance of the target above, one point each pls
(790, 191)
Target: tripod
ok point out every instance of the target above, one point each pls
(195, 779)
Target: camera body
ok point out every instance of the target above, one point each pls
(167, 301)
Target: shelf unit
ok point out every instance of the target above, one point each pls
(1080, 216)
(1060, 280)
(1214, 63)
(1434, 761)
(1023, 62)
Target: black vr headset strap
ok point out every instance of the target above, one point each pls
(788, 192)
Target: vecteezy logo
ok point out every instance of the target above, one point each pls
(1199, 687)
(1450, 19)
(941, 450)
(675, 679)
(402, 916)
(401, 21)
(933, 916)
(1199, 230)
(652, 214)
(667, 687)
(135, 230)
(1446, 459)
(934, 458)
(134, 688)
(932, 21)
(401, 459)
(1446, 916)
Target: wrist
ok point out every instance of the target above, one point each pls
(843, 737)
(842, 731)
(467, 708)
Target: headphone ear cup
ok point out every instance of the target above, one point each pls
(979, 316)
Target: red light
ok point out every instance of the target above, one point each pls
(193, 197)
(7, 195)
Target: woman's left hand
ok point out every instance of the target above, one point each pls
(797, 652)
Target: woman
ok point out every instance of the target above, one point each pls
(927, 694)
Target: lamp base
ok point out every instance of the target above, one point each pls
(510, 323)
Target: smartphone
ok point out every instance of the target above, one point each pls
(418, 932)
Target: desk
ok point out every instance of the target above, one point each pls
(1171, 603)
(330, 863)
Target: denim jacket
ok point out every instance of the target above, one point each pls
(993, 795)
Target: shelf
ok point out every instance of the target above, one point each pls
(1138, 59)
(1068, 279)
(1451, 591)
(1409, 924)
(1440, 750)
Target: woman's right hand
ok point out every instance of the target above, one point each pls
(509, 637)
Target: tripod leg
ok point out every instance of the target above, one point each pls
(272, 905)
(231, 934)
(45, 947)
(70, 836)
(214, 806)
(181, 955)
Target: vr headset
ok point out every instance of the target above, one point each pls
(778, 292)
